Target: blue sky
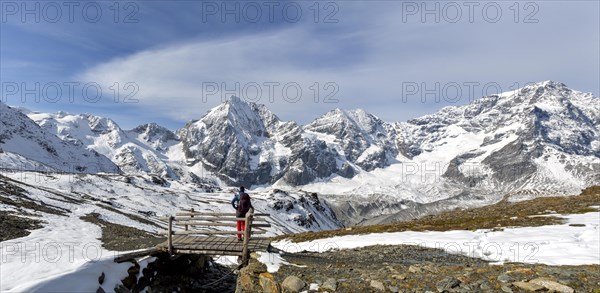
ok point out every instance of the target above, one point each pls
(177, 59)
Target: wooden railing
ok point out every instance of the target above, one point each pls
(199, 223)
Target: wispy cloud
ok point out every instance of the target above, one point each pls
(367, 56)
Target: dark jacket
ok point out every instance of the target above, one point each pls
(244, 205)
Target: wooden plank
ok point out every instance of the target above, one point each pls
(217, 214)
(208, 252)
(184, 239)
(209, 247)
(133, 255)
(208, 232)
(205, 224)
(202, 232)
(200, 218)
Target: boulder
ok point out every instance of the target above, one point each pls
(293, 284)
(330, 284)
(268, 283)
(552, 286)
(529, 287)
(377, 285)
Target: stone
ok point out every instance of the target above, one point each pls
(399, 277)
(394, 289)
(415, 269)
(506, 289)
(247, 283)
(485, 285)
(504, 278)
(377, 285)
(101, 278)
(293, 284)
(129, 281)
(447, 284)
(552, 285)
(134, 270)
(529, 287)
(522, 271)
(254, 267)
(121, 289)
(268, 283)
(330, 284)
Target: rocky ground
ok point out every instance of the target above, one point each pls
(117, 237)
(407, 268)
(12, 227)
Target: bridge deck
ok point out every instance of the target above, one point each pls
(213, 245)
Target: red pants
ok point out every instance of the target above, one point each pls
(241, 226)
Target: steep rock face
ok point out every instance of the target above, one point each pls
(154, 135)
(306, 210)
(311, 161)
(245, 144)
(238, 141)
(360, 137)
(20, 135)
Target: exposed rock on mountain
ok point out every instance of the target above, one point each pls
(22, 136)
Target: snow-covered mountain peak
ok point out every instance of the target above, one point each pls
(244, 117)
(341, 120)
(19, 134)
(154, 132)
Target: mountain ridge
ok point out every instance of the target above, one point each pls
(541, 134)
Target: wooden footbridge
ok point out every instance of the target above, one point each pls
(193, 232)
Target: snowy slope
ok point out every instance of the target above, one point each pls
(134, 201)
(553, 244)
(137, 150)
(22, 136)
(539, 140)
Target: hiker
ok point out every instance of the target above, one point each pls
(241, 203)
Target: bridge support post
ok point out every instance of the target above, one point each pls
(170, 232)
(247, 233)
(191, 216)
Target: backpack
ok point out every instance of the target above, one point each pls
(244, 205)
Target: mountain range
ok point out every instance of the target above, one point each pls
(541, 139)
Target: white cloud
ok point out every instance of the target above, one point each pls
(368, 58)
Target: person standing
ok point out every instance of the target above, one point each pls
(242, 204)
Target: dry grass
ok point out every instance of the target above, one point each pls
(501, 214)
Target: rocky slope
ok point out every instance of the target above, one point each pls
(409, 268)
(24, 144)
